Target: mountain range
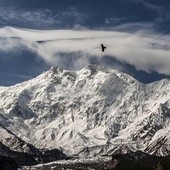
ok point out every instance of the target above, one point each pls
(85, 113)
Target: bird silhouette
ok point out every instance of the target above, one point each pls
(103, 47)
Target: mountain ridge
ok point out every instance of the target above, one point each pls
(95, 107)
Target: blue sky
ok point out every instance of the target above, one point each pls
(47, 14)
(150, 18)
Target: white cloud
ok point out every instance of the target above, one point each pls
(39, 18)
(115, 20)
(145, 50)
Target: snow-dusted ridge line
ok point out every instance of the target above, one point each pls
(88, 112)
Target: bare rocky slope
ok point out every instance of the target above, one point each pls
(89, 112)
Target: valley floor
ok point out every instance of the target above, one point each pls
(130, 161)
(105, 163)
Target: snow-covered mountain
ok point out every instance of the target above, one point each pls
(92, 111)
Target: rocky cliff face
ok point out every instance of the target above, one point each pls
(92, 111)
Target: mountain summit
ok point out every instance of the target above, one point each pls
(95, 110)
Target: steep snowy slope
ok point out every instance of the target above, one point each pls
(94, 110)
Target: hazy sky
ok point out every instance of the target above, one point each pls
(36, 34)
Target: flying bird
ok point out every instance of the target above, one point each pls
(103, 47)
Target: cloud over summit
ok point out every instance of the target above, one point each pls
(145, 50)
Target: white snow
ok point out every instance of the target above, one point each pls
(95, 107)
